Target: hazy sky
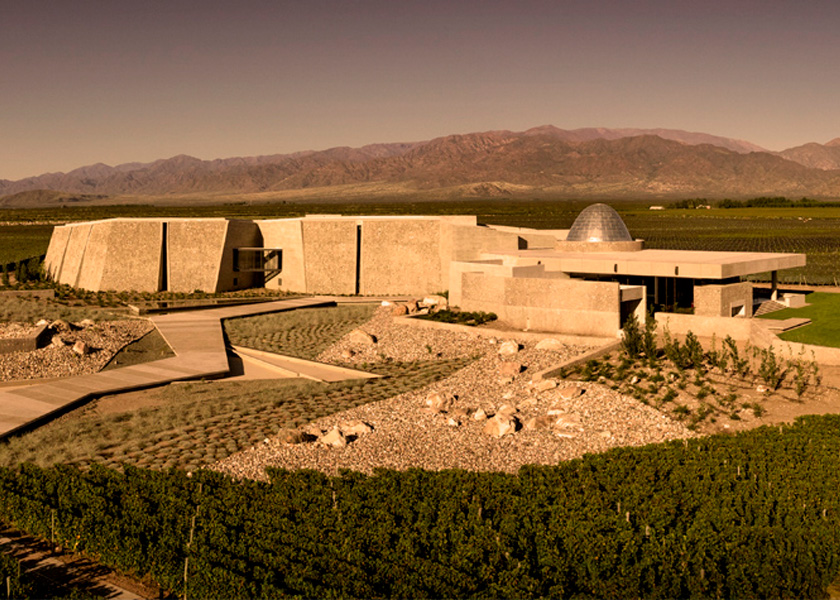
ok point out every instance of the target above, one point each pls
(114, 81)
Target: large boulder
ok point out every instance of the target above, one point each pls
(399, 310)
(551, 344)
(361, 338)
(501, 425)
(509, 348)
(509, 369)
(570, 392)
(438, 403)
(354, 428)
(333, 438)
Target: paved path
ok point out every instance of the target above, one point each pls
(196, 338)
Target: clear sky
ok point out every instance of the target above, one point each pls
(115, 81)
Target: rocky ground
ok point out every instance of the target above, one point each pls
(491, 416)
(73, 349)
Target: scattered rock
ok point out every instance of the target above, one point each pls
(362, 338)
(86, 323)
(506, 410)
(81, 348)
(551, 344)
(293, 436)
(333, 438)
(60, 325)
(438, 403)
(634, 380)
(545, 385)
(510, 369)
(508, 348)
(58, 341)
(438, 301)
(541, 422)
(386, 303)
(42, 322)
(567, 421)
(505, 380)
(499, 426)
(411, 306)
(480, 415)
(762, 389)
(460, 412)
(570, 392)
(355, 428)
(348, 353)
(313, 431)
(453, 422)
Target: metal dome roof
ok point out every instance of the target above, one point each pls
(599, 223)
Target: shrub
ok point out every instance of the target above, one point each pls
(770, 370)
(632, 342)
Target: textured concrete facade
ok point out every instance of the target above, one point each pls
(725, 300)
(532, 279)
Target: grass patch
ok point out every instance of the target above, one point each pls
(303, 333)
(190, 425)
(148, 348)
(824, 312)
(31, 310)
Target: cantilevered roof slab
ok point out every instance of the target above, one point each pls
(659, 263)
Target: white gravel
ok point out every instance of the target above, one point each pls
(406, 435)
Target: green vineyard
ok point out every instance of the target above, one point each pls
(754, 515)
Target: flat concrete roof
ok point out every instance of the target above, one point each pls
(659, 263)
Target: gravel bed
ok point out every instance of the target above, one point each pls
(407, 435)
(16, 330)
(57, 359)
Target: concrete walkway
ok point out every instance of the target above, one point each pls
(196, 338)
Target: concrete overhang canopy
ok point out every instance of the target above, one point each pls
(598, 223)
(662, 263)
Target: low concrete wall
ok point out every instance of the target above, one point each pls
(545, 303)
(489, 332)
(25, 344)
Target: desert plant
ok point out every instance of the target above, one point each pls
(632, 340)
(693, 352)
(770, 368)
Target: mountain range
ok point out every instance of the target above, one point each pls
(540, 162)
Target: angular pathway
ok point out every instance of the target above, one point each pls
(196, 338)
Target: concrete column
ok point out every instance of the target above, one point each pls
(774, 285)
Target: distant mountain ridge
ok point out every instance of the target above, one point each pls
(542, 160)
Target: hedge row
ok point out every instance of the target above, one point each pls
(753, 515)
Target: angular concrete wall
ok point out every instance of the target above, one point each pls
(194, 254)
(286, 234)
(75, 254)
(132, 258)
(96, 253)
(329, 251)
(240, 234)
(400, 257)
